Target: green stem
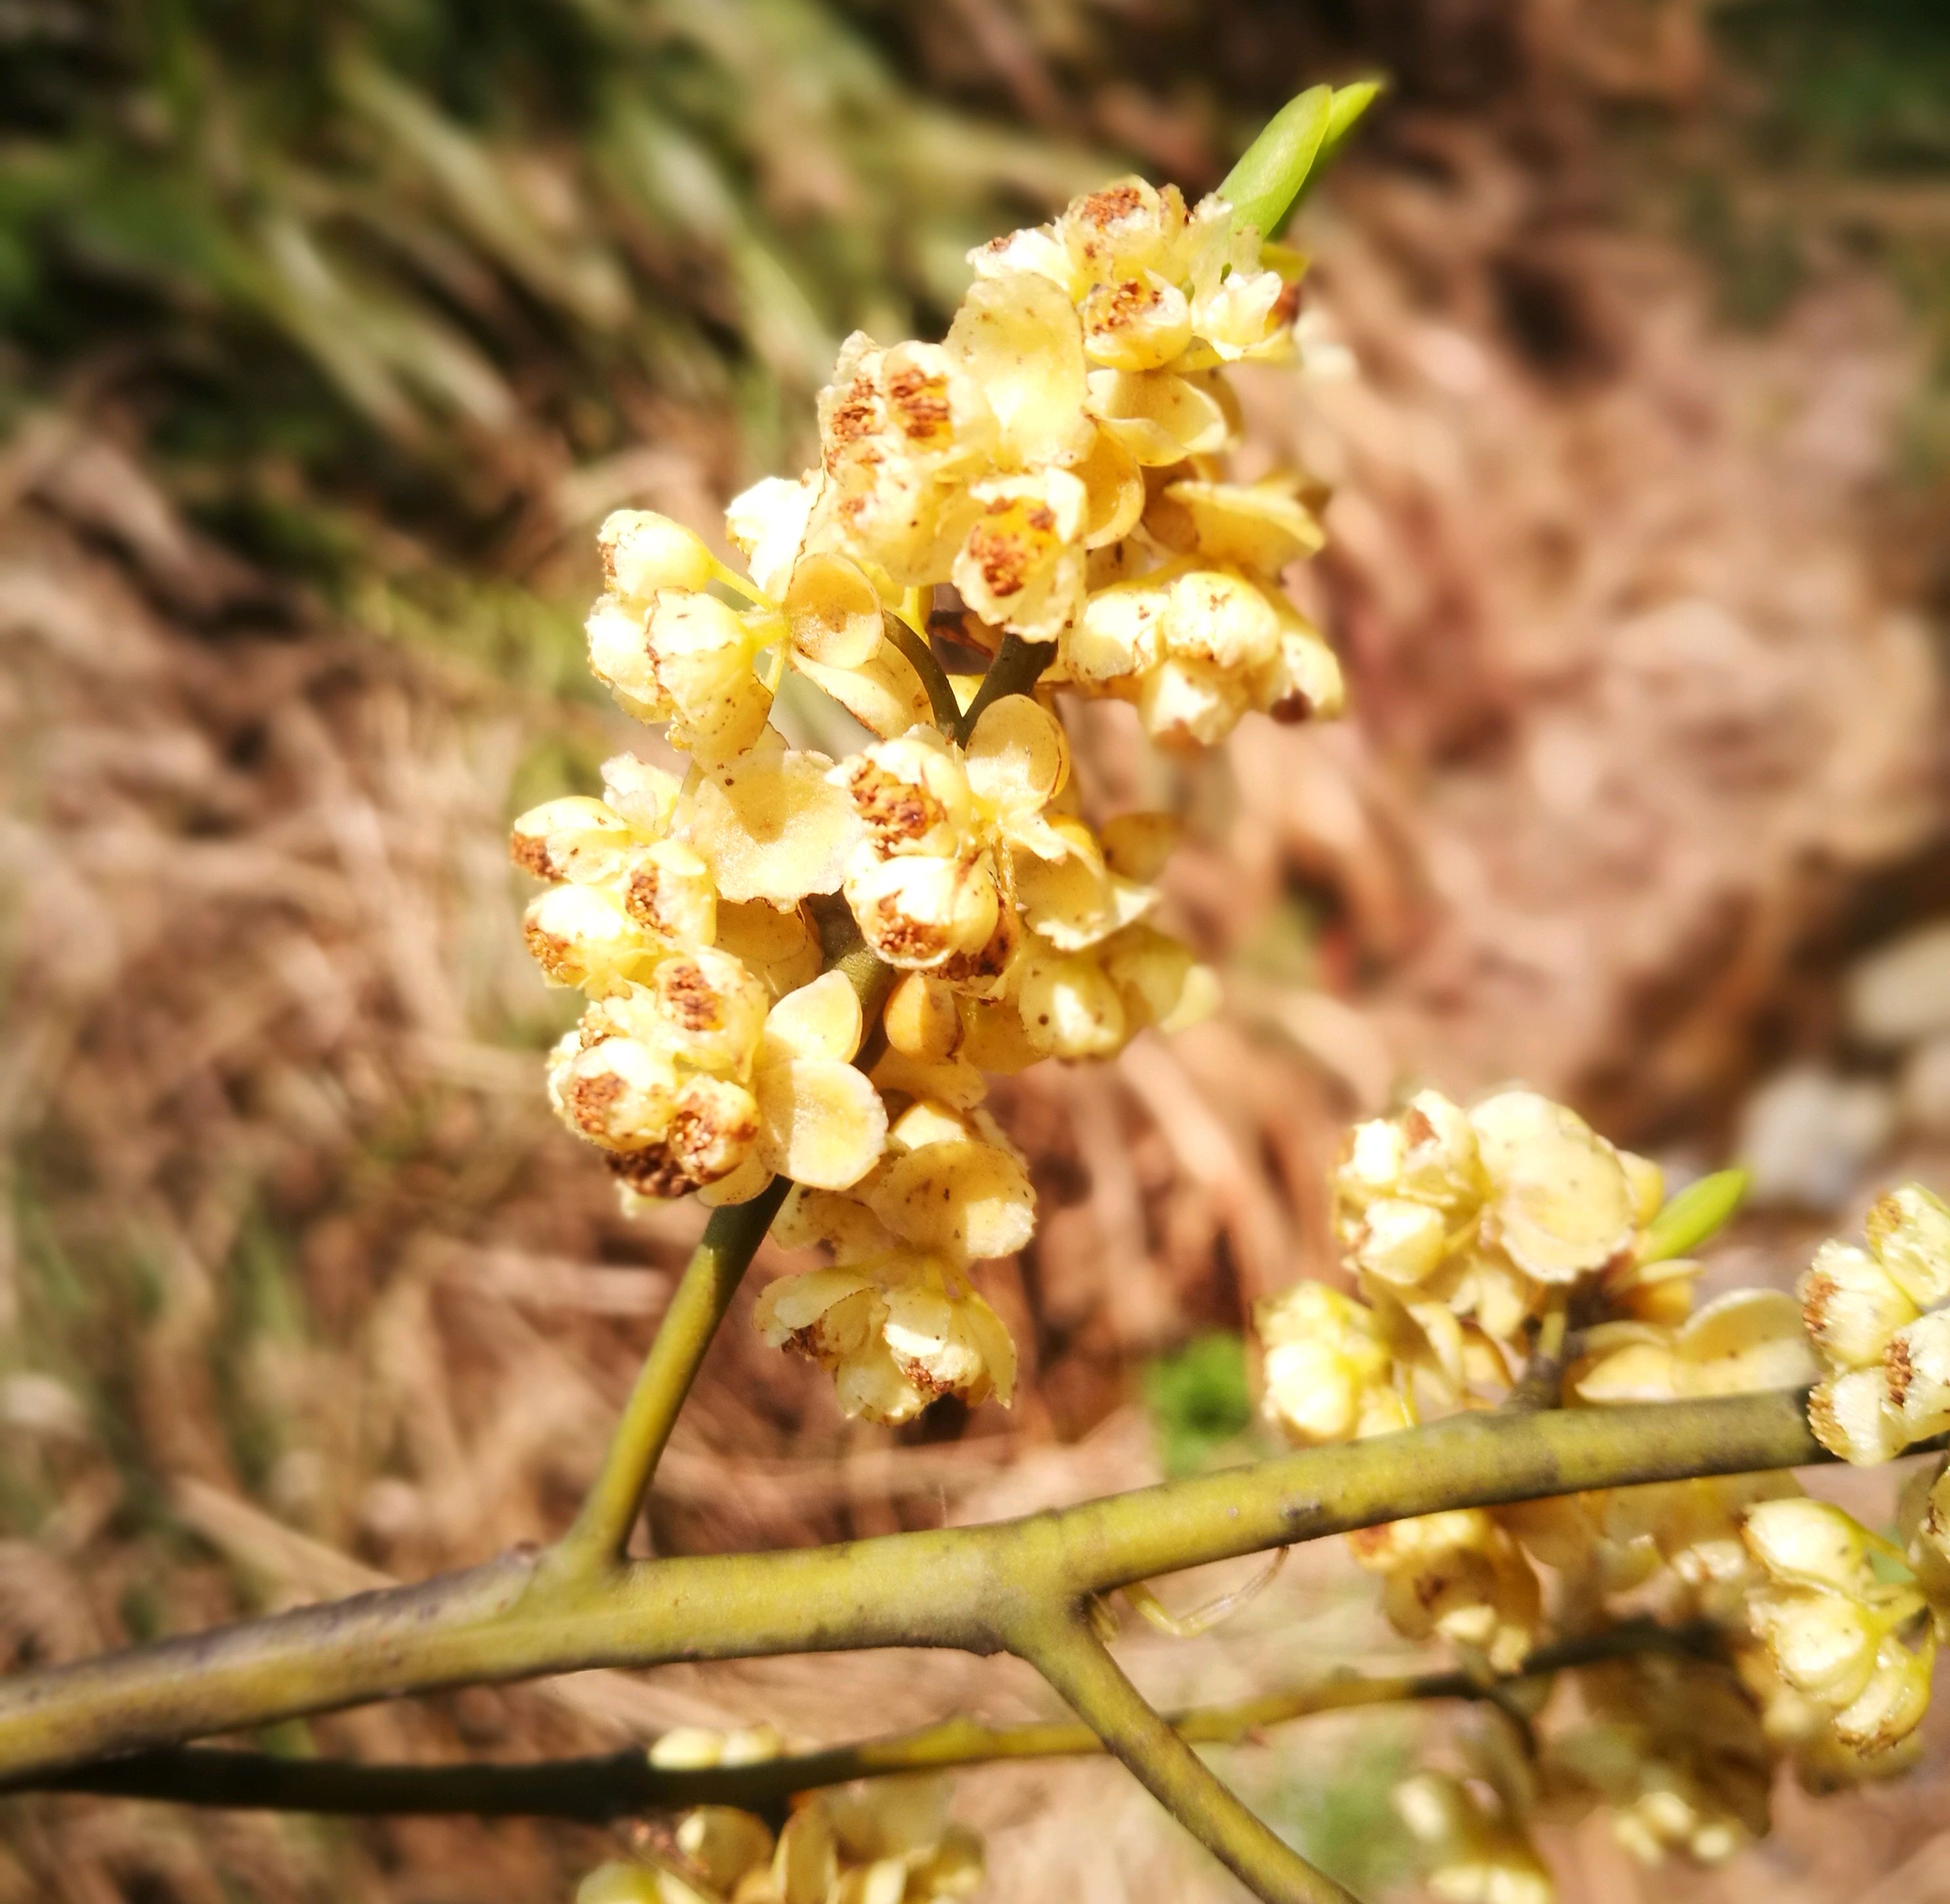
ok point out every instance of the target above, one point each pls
(1074, 1660)
(622, 1784)
(954, 1586)
(1014, 671)
(601, 1530)
(940, 691)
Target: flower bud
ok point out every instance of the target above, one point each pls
(581, 935)
(1071, 1007)
(573, 838)
(668, 889)
(1892, 1705)
(1909, 1233)
(921, 1018)
(1851, 1306)
(1851, 1419)
(643, 552)
(1325, 1362)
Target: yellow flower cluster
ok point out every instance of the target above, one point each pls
(1051, 472)
(1461, 1228)
(1673, 1746)
(692, 1067)
(1458, 1576)
(1873, 1316)
(1469, 1234)
(1474, 1840)
(1836, 1635)
(886, 1842)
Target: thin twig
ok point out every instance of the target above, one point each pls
(933, 677)
(1541, 1385)
(621, 1784)
(1014, 671)
(601, 1530)
(1071, 1657)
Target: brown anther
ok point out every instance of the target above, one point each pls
(687, 995)
(530, 852)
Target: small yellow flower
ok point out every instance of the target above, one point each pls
(1852, 1305)
(1890, 1363)
(1328, 1373)
(1022, 567)
(931, 884)
(655, 1073)
(1080, 898)
(1833, 1630)
(1016, 337)
(820, 1121)
(584, 935)
(1459, 1575)
(895, 1331)
(1196, 646)
(771, 825)
(1474, 1852)
(1090, 1003)
(901, 429)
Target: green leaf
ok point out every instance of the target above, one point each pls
(1695, 1214)
(1296, 144)
(1350, 104)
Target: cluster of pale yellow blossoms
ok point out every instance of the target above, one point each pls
(1874, 1314)
(1051, 473)
(889, 1841)
(1506, 1243)
(1048, 484)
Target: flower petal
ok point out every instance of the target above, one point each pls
(821, 1019)
(1017, 336)
(962, 1200)
(770, 826)
(1561, 1204)
(820, 1122)
(883, 692)
(1017, 756)
(833, 611)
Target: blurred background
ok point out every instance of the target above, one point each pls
(332, 327)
